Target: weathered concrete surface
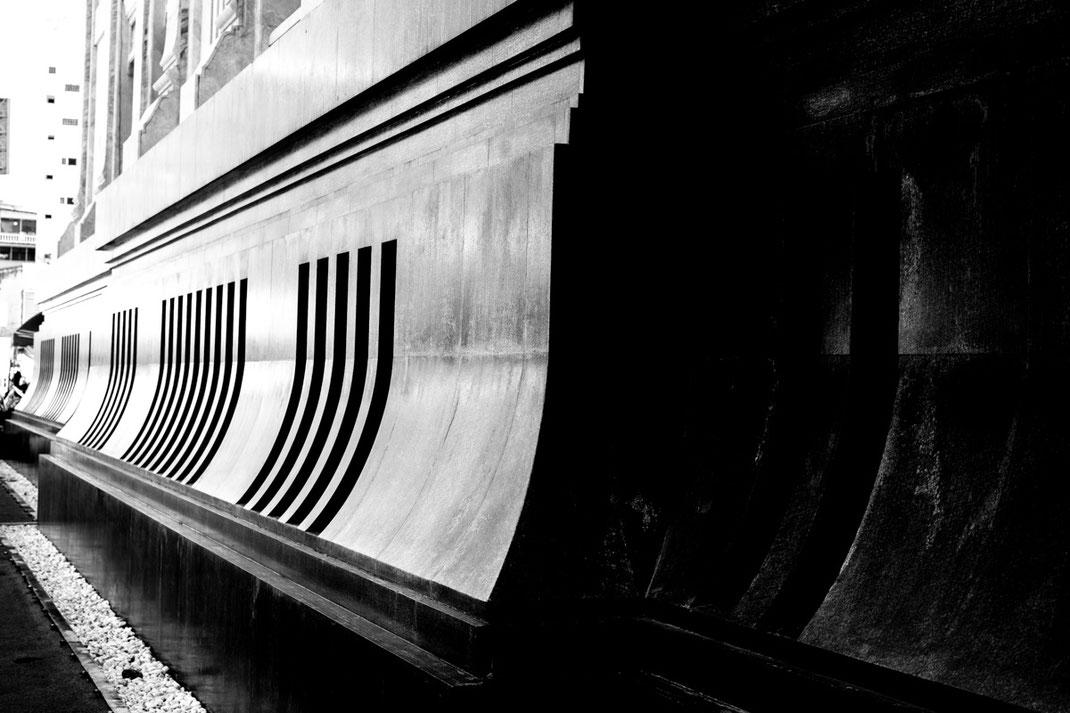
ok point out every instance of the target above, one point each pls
(778, 382)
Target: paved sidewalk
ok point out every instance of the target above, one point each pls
(38, 671)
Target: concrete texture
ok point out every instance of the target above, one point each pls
(771, 388)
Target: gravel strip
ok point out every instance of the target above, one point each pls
(141, 680)
(23, 490)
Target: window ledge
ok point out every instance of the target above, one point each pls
(299, 14)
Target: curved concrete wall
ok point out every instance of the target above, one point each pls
(823, 402)
(361, 355)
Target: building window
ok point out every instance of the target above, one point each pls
(69, 161)
(51, 70)
(70, 122)
(51, 99)
(48, 177)
(70, 201)
(48, 216)
(72, 88)
(51, 137)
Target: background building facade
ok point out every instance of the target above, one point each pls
(42, 84)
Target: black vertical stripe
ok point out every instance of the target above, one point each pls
(319, 356)
(108, 393)
(177, 387)
(380, 391)
(46, 380)
(190, 458)
(121, 375)
(334, 389)
(197, 417)
(44, 375)
(46, 408)
(84, 377)
(167, 320)
(356, 390)
(174, 425)
(49, 409)
(295, 389)
(41, 371)
(69, 371)
(72, 374)
(170, 387)
(126, 384)
(109, 390)
(196, 466)
(239, 372)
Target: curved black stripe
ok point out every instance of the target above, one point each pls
(334, 390)
(196, 465)
(182, 403)
(356, 388)
(381, 389)
(108, 389)
(315, 384)
(169, 368)
(189, 458)
(121, 321)
(177, 453)
(119, 355)
(240, 371)
(80, 377)
(165, 366)
(41, 371)
(182, 348)
(44, 375)
(295, 390)
(51, 374)
(68, 372)
(50, 408)
(126, 384)
(72, 373)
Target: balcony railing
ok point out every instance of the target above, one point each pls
(18, 239)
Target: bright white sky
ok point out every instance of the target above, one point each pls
(34, 35)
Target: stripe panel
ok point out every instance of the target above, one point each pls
(303, 442)
(45, 366)
(356, 396)
(191, 415)
(319, 356)
(88, 438)
(334, 388)
(383, 373)
(179, 374)
(173, 425)
(188, 458)
(120, 380)
(295, 391)
(166, 354)
(239, 372)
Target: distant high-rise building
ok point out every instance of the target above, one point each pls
(4, 109)
(40, 141)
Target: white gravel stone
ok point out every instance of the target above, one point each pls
(110, 642)
(22, 489)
